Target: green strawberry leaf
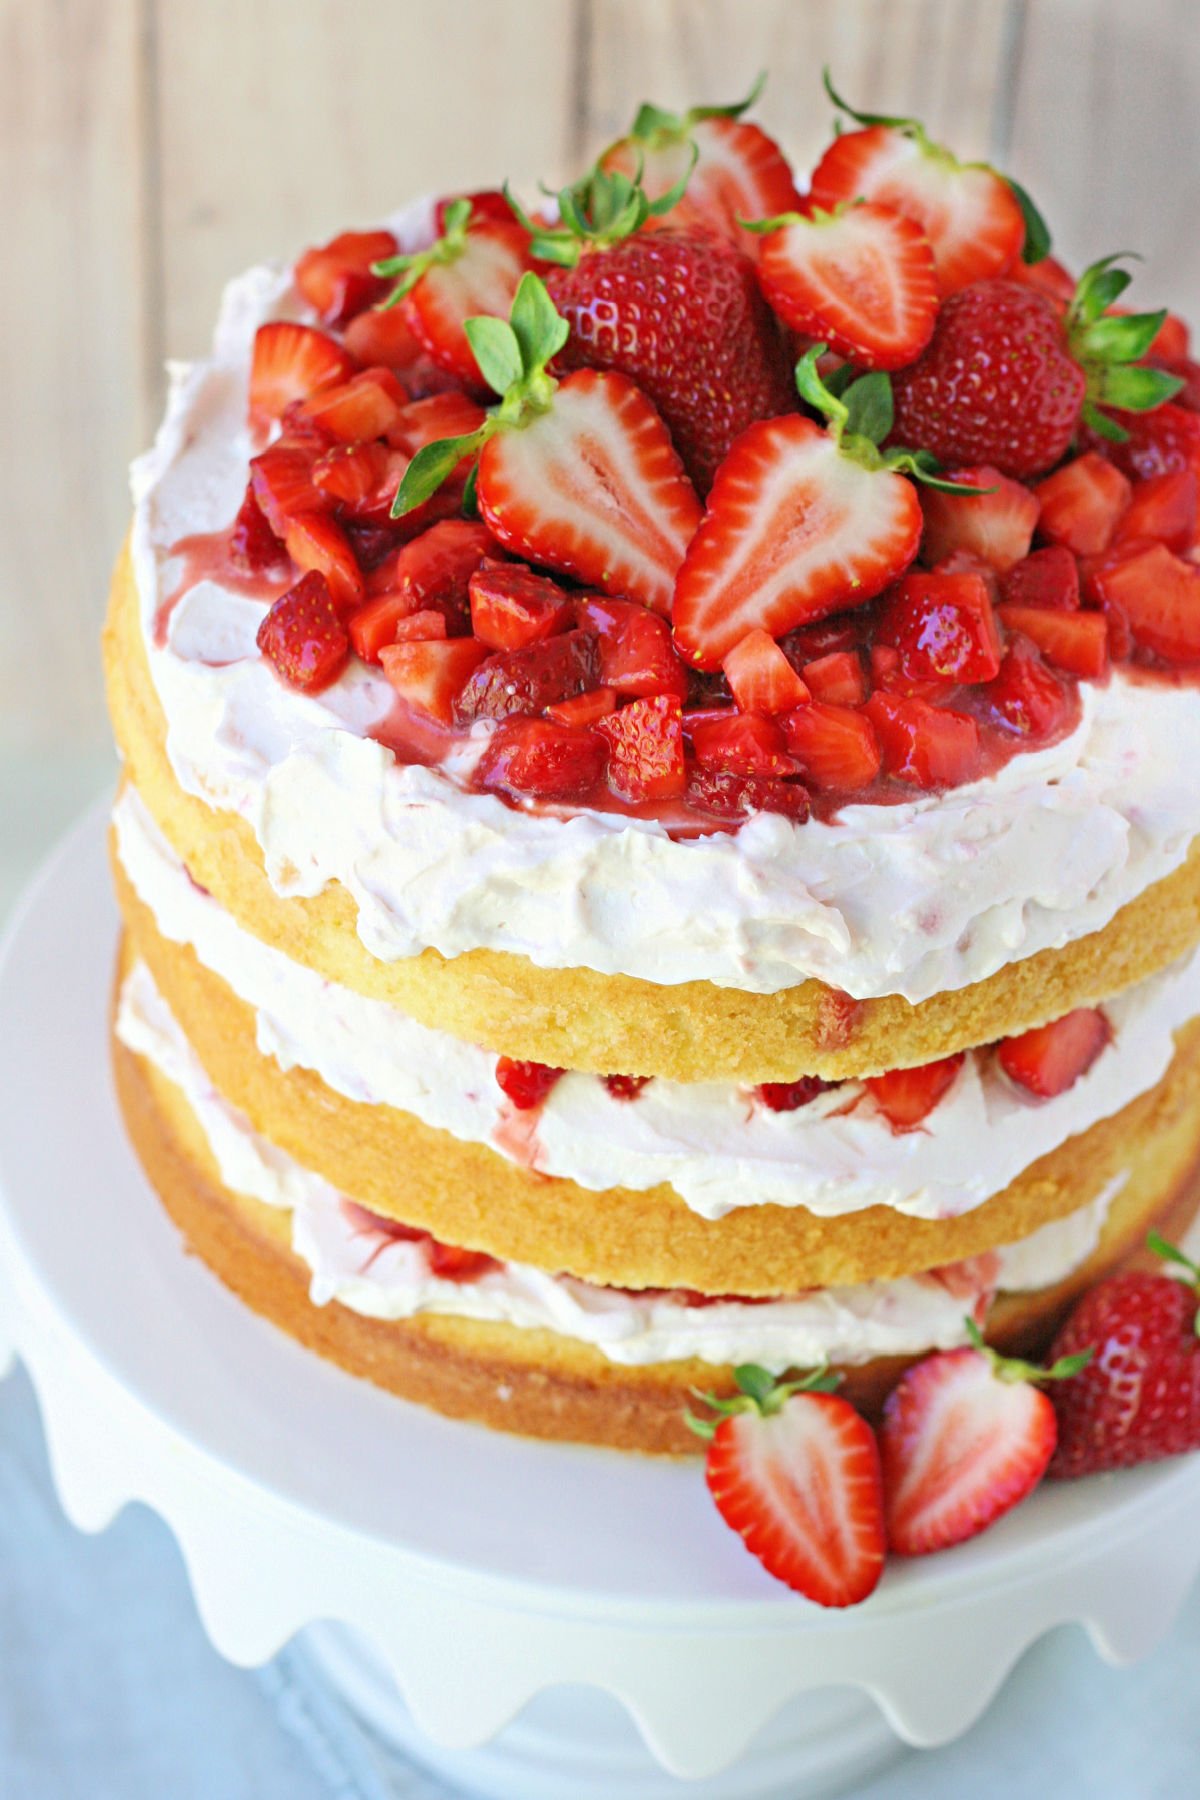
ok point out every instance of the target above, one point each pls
(654, 122)
(910, 127)
(470, 499)
(413, 264)
(497, 350)
(538, 326)
(1100, 286)
(1102, 425)
(870, 406)
(1037, 233)
(433, 464)
(1012, 1368)
(1119, 338)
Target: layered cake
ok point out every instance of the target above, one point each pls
(659, 783)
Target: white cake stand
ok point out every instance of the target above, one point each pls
(478, 1575)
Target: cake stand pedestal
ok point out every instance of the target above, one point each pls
(594, 1599)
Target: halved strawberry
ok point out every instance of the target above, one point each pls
(794, 529)
(1026, 696)
(383, 340)
(968, 212)
(837, 678)
(645, 749)
(1050, 1059)
(336, 277)
(431, 675)
(966, 1436)
(584, 709)
(795, 1472)
(366, 406)
(473, 268)
(1082, 504)
(636, 653)
(529, 680)
(282, 483)
(538, 759)
(303, 637)
(435, 569)
(723, 795)
(860, 278)
(761, 678)
(291, 362)
(745, 744)
(836, 747)
(929, 746)
(526, 1084)
(316, 541)
(906, 1096)
(1164, 507)
(996, 525)
(943, 626)
(1048, 577)
(1074, 641)
(512, 607)
(351, 473)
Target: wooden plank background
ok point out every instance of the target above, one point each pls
(150, 148)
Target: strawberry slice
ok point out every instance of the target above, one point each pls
(966, 1436)
(282, 483)
(1156, 596)
(302, 636)
(539, 759)
(336, 277)
(431, 675)
(1048, 577)
(512, 607)
(351, 473)
(1164, 508)
(366, 406)
(1074, 641)
(969, 213)
(943, 627)
(724, 795)
(527, 681)
(473, 268)
(316, 541)
(907, 1096)
(761, 678)
(837, 678)
(637, 656)
(1026, 696)
(419, 626)
(1083, 503)
(526, 1084)
(645, 749)
(929, 746)
(383, 340)
(1050, 1059)
(836, 747)
(291, 362)
(744, 744)
(996, 525)
(795, 1472)
(860, 278)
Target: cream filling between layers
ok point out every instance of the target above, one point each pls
(385, 1278)
(711, 1141)
(913, 899)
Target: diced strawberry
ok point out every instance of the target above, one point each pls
(997, 526)
(835, 747)
(281, 480)
(290, 363)
(928, 746)
(512, 607)
(383, 340)
(1157, 442)
(637, 656)
(336, 278)
(298, 430)
(366, 406)
(438, 416)
(844, 632)
(1051, 1059)
(375, 508)
(374, 625)
(315, 541)
(887, 673)
(760, 676)
(906, 1096)
(744, 744)
(431, 675)
(943, 627)
(450, 1263)
(1163, 508)
(419, 626)
(1074, 641)
(481, 276)
(1158, 596)
(351, 473)
(253, 546)
(789, 1096)
(626, 1087)
(526, 1084)
(838, 678)
(1082, 504)
(1026, 696)
(584, 709)
(435, 569)
(645, 749)
(540, 759)
(724, 795)
(527, 681)
(303, 637)
(758, 559)
(1048, 577)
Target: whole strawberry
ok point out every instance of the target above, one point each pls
(995, 385)
(1138, 1399)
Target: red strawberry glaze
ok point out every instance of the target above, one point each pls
(208, 556)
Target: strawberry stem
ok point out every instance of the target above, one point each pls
(859, 413)
(412, 265)
(758, 1392)
(601, 209)
(654, 125)
(1012, 1368)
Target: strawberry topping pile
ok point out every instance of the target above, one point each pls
(700, 496)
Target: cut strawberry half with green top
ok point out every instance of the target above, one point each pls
(578, 475)
(966, 1436)
(801, 521)
(794, 1470)
(860, 277)
(473, 268)
(976, 221)
(731, 170)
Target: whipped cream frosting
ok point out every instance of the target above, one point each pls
(382, 1277)
(912, 899)
(711, 1141)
